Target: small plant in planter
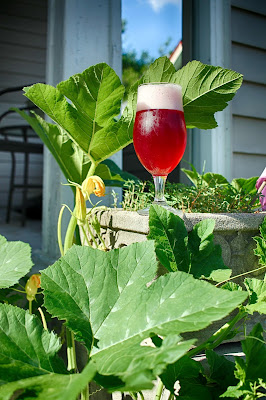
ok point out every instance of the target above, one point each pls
(210, 193)
(108, 299)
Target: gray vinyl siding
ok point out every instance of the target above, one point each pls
(248, 30)
(23, 31)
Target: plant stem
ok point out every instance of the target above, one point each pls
(218, 337)
(86, 236)
(71, 352)
(141, 396)
(30, 306)
(59, 232)
(133, 395)
(91, 234)
(159, 390)
(85, 395)
(92, 168)
(102, 241)
(221, 334)
(43, 318)
(244, 273)
(70, 232)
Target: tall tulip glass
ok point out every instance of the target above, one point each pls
(159, 134)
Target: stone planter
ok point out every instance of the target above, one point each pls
(233, 232)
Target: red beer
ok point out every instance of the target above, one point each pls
(159, 139)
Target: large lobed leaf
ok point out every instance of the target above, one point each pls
(72, 160)
(257, 295)
(91, 121)
(193, 252)
(15, 262)
(26, 349)
(49, 387)
(105, 301)
(206, 90)
(197, 383)
(250, 372)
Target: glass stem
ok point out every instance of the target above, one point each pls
(159, 183)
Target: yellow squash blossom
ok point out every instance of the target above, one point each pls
(32, 285)
(93, 184)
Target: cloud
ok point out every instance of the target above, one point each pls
(158, 4)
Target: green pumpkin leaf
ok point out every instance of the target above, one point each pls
(50, 386)
(231, 286)
(206, 89)
(105, 301)
(260, 249)
(257, 295)
(91, 121)
(247, 185)
(212, 179)
(26, 349)
(74, 163)
(117, 172)
(15, 262)
(206, 257)
(254, 348)
(250, 372)
(170, 235)
(193, 252)
(221, 369)
(193, 175)
(183, 369)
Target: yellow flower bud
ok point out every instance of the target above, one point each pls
(32, 285)
(93, 184)
(80, 209)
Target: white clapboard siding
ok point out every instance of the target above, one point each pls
(23, 32)
(248, 134)
(23, 52)
(256, 6)
(243, 61)
(247, 165)
(250, 100)
(248, 29)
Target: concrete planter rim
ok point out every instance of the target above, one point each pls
(118, 218)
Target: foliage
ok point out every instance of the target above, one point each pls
(134, 68)
(221, 378)
(112, 304)
(210, 193)
(193, 252)
(251, 372)
(15, 262)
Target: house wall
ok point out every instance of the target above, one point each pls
(23, 26)
(248, 56)
(231, 34)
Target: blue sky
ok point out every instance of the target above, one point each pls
(150, 23)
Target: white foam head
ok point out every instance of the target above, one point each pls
(160, 96)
